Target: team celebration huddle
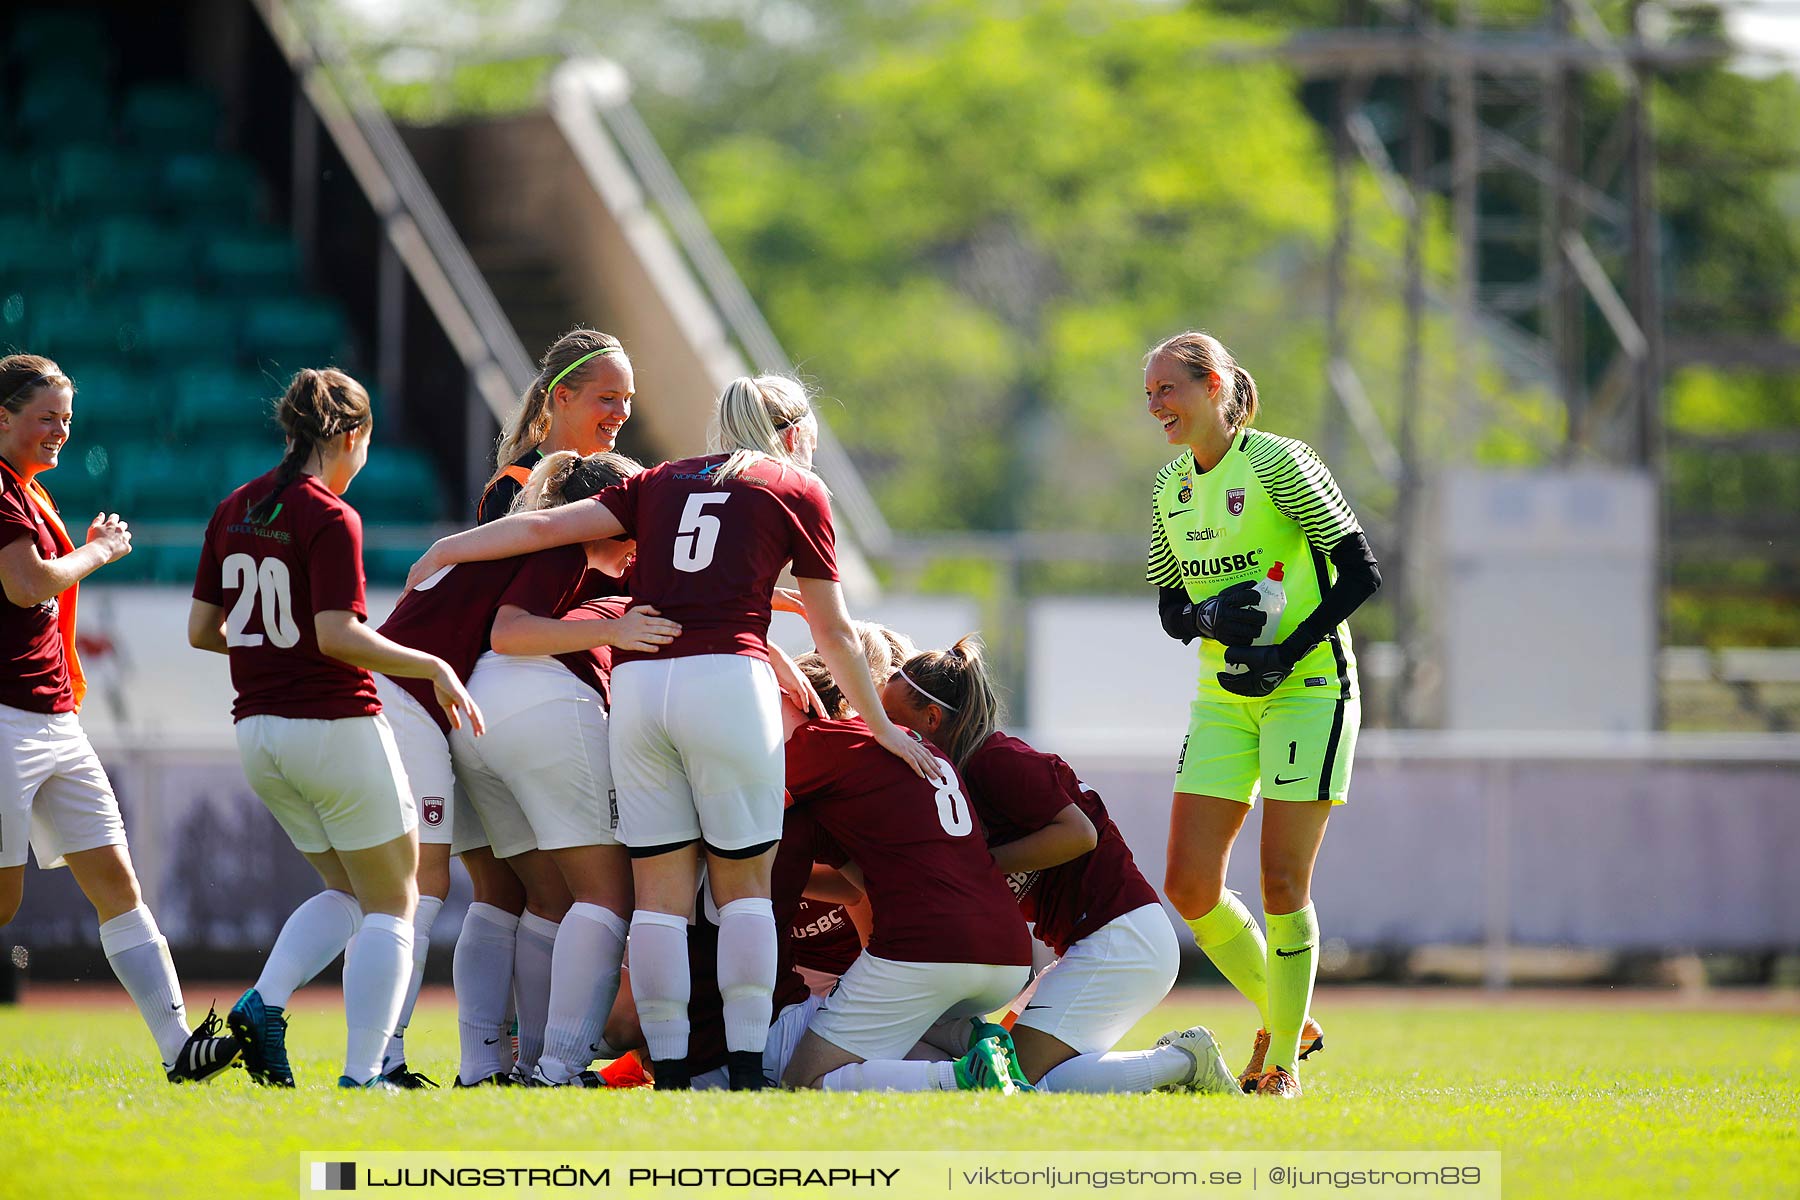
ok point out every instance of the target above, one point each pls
(698, 862)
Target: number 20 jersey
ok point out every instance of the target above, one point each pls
(709, 553)
(272, 577)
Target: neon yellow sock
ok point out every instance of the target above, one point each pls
(1230, 937)
(1293, 962)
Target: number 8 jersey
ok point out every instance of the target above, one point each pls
(272, 577)
(709, 553)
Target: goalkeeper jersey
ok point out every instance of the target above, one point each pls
(1269, 500)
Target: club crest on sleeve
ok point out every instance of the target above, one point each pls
(1234, 501)
(433, 810)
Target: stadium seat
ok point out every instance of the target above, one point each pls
(284, 335)
(67, 326)
(137, 248)
(398, 485)
(21, 167)
(43, 33)
(155, 485)
(98, 180)
(175, 325)
(389, 564)
(213, 188)
(34, 256)
(115, 406)
(252, 260)
(85, 483)
(55, 108)
(167, 117)
(220, 405)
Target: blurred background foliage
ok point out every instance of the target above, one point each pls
(967, 222)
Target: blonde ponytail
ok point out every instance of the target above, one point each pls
(566, 476)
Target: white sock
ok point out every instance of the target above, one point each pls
(140, 958)
(532, 956)
(482, 973)
(892, 1076)
(1121, 1071)
(376, 971)
(660, 982)
(584, 981)
(747, 942)
(315, 933)
(423, 919)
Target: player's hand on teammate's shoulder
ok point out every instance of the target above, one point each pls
(427, 566)
(643, 629)
(908, 748)
(112, 533)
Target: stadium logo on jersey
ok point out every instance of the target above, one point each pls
(434, 811)
(1234, 501)
(1202, 535)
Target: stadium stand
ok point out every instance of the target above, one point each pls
(146, 256)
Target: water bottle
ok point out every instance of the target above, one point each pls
(1271, 598)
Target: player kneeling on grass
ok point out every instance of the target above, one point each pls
(948, 941)
(280, 591)
(54, 794)
(1076, 883)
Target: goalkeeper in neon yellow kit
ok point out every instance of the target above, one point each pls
(1276, 706)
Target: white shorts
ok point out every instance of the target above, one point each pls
(785, 1032)
(697, 751)
(546, 740)
(54, 795)
(1108, 981)
(492, 817)
(425, 753)
(333, 785)
(881, 1008)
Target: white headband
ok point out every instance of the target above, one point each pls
(910, 682)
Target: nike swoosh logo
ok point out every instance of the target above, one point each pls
(1291, 953)
(1296, 779)
(490, 1041)
(175, 1007)
(1176, 512)
(1029, 1007)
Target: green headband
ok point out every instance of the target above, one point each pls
(551, 390)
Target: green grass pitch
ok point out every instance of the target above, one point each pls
(1584, 1099)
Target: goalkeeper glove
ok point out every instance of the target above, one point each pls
(1266, 667)
(1231, 617)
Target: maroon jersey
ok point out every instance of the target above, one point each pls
(272, 577)
(824, 937)
(933, 885)
(706, 1007)
(450, 615)
(1018, 790)
(708, 553)
(36, 677)
(594, 667)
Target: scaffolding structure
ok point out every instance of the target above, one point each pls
(1489, 110)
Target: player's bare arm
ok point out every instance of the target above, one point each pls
(521, 533)
(1068, 836)
(30, 579)
(517, 631)
(344, 636)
